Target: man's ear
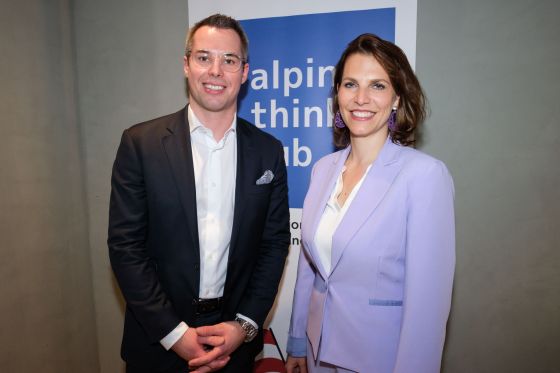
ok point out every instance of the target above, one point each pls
(245, 72)
(186, 66)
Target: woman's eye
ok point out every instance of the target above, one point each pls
(378, 86)
(349, 85)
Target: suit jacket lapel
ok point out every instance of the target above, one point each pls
(326, 186)
(179, 154)
(371, 193)
(245, 162)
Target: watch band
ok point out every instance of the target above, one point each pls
(249, 329)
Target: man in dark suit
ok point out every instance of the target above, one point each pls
(199, 220)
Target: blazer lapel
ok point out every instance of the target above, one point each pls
(179, 154)
(245, 162)
(326, 186)
(371, 193)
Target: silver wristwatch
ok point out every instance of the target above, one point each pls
(249, 329)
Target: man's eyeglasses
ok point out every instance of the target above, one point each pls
(229, 62)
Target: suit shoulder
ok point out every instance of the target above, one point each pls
(263, 138)
(329, 159)
(418, 162)
(155, 125)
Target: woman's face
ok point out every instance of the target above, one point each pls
(365, 96)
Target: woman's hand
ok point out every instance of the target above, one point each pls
(296, 365)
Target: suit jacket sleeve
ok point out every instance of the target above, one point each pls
(297, 338)
(128, 225)
(263, 284)
(429, 268)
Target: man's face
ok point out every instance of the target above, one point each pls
(211, 88)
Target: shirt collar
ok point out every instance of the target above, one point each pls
(196, 124)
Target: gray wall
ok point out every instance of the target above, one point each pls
(490, 72)
(46, 311)
(490, 69)
(129, 64)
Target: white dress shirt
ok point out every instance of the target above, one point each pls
(332, 215)
(214, 165)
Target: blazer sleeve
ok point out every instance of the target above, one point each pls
(429, 268)
(275, 240)
(127, 236)
(297, 338)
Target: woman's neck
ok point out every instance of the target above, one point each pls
(364, 151)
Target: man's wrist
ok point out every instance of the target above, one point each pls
(170, 339)
(248, 327)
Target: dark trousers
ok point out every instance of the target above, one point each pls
(242, 361)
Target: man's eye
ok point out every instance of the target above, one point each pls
(233, 61)
(202, 58)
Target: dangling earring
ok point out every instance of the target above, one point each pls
(392, 123)
(338, 121)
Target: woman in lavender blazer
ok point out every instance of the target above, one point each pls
(375, 272)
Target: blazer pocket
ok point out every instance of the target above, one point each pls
(385, 302)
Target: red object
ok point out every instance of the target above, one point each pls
(271, 359)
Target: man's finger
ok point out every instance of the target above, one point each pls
(218, 363)
(211, 355)
(203, 369)
(212, 366)
(205, 331)
(213, 340)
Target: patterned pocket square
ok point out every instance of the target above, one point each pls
(266, 178)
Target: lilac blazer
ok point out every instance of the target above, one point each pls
(384, 306)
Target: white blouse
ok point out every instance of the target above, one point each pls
(332, 216)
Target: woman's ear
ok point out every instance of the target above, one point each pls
(396, 102)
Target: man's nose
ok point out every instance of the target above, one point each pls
(216, 67)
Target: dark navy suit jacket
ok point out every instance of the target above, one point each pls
(153, 234)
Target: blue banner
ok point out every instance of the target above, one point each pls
(291, 71)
